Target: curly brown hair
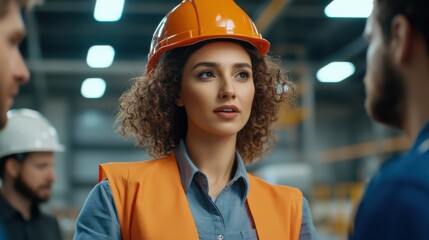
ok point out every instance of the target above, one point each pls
(148, 111)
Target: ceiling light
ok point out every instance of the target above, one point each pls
(93, 88)
(335, 72)
(108, 10)
(100, 56)
(349, 8)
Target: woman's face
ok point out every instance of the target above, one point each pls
(217, 90)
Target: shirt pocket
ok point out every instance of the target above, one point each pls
(249, 235)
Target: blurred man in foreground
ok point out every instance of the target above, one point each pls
(395, 205)
(13, 71)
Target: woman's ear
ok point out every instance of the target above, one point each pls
(179, 102)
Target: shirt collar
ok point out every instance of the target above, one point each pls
(188, 169)
(8, 212)
(422, 141)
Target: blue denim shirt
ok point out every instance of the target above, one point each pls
(226, 217)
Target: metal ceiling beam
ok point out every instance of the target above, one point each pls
(303, 12)
(88, 6)
(135, 29)
(134, 8)
(325, 32)
(269, 14)
(366, 149)
(79, 67)
(348, 51)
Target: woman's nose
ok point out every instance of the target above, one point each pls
(227, 91)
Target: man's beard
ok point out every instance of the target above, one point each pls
(23, 189)
(386, 105)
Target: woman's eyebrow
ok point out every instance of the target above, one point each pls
(205, 64)
(242, 65)
(212, 64)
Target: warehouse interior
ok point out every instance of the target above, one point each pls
(327, 145)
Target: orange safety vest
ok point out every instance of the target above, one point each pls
(151, 203)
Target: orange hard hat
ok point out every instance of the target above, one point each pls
(194, 21)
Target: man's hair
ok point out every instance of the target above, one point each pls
(16, 156)
(24, 3)
(416, 11)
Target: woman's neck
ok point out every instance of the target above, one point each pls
(215, 158)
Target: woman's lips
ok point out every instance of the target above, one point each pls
(227, 111)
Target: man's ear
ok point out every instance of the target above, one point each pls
(12, 167)
(401, 42)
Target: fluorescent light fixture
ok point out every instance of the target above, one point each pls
(93, 88)
(108, 10)
(100, 56)
(335, 72)
(349, 8)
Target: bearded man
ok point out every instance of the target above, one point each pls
(395, 204)
(27, 146)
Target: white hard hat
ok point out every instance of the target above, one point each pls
(28, 131)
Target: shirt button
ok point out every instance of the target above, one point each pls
(220, 237)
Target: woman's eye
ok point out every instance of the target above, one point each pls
(205, 75)
(243, 75)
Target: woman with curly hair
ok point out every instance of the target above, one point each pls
(203, 109)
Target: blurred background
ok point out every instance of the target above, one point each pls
(327, 146)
